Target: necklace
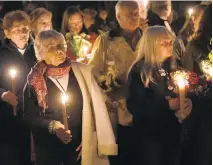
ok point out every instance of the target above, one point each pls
(60, 85)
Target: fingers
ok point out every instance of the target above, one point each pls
(10, 98)
(174, 103)
(79, 156)
(78, 149)
(180, 116)
(63, 135)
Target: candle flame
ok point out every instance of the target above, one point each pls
(210, 71)
(85, 48)
(180, 81)
(13, 73)
(206, 67)
(190, 11)
(64, 98)
(145, 2)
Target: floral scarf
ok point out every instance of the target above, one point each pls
(39, 72)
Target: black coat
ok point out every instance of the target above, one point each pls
(152, 117)
(10, 126)
(154, 19)
(39, 121)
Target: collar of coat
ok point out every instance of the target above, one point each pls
(8, 44)
(116, 32)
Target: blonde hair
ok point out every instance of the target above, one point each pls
(36, 14)
(45, 39)
(148, 53)
(15, 16)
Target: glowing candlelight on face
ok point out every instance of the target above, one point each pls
(190, 11)
(13, 76)
(64, 99)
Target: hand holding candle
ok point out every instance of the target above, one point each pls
(13, 76)
(180, 79)
(64, 111)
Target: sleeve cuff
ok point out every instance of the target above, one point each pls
(1, 92)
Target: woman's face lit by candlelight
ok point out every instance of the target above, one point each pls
(76, 23)
(164, 47)
(44, 23)
(55, 54)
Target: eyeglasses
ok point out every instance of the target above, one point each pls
(54, 48)
(166, 43)
(18, 30)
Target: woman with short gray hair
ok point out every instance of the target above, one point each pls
(53, 76)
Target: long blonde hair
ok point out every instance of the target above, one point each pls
(148, 51)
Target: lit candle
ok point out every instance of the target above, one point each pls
(143, 8)
(145, 2)
(190, 11)
(85, 49)
(181, 86)
(206, 67)
(64, 99)
(13, 77)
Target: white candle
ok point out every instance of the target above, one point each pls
(85, 49)
(143, 8)
(181, 85)
(64, 99)
(13, 78)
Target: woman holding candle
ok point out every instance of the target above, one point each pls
(16, 53)
(75, 33)
(52, 76)
(152, 102)
(198, 149)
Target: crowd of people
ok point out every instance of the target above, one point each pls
(124, 104)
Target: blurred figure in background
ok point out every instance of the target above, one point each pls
(159, 14)
(90, 23)
(40, 20)
(75, 34)
(198, 148)
(103, 20)
(188, 31)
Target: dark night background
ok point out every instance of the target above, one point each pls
(58, 7)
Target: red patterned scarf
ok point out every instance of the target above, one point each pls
(39, 72)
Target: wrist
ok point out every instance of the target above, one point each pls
(53, 126)
(3, 96)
